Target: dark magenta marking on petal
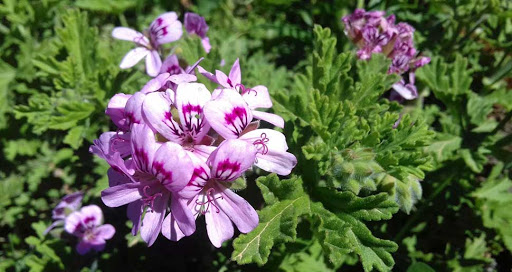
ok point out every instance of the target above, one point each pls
(167, 175)
(199, 174)
(226, 167)
(237, 113)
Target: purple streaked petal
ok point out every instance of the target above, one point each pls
(105, 232)
(218, 226)
(121, 194)
(128, 34)
(228, 114)
(278, 162)
(83, 247)
(190, 101)
(133, 57)
(166, 28)
(191, 68)
(133, 109)
(91, 216)
(265, 140)
(207, 74)
(203, 151)
(223, 79)
(116, 178)
(257, 97)
(235, 75)
(157, 114)
(115, 110)
(153, 63)
(200, 176)
(171, 65)
(172, 166)
(183, 78)
(73, 223)
(183, 215)
(231, 159)
(407, 91)
(236, 208)
(170, 229)
(156, 84)
(134, 213)
(274, 119)
(144, 146)
(152, 222)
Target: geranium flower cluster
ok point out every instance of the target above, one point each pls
(178, 148)
(373, 33)
(166, 28)
(85, 223)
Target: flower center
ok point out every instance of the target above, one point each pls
(205, 200)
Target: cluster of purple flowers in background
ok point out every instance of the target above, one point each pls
(373, 33)
(164, 29)
(178, 149)
(85, 223)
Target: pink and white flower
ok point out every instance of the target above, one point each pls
(165, 28)
(86, 224)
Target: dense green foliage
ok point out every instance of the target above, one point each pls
(430, 194)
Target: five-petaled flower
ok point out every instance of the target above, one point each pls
(86, 224)
(165, 28)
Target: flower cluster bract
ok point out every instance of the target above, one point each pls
(178, 148)
(372, 33)
(166, 28)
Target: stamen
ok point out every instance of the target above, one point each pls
(261, 144)
(242, 89)
(148, 199)
(205, 204)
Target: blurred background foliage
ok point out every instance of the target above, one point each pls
(59, 67)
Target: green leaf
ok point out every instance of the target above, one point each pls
(420, 267)
(74, 138)
(278, 221)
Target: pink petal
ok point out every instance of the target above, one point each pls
(121, 194)
(91, 215)
(105, 232)
(172, 166)
(278, 162)
(183, 215)
(166, 28)
(171, 65)
(157, 114)
(205, 42)
(272, 139)
(231, 159)
(128, 34)
(183, 78)
(228, 114)
(156, 84)
(219, 227)
(257, 97)
(115, 110)
(133, 56)
(207, 74)
(199, 177)
(237, 209)
(83, 247)
(134, 213)
(153, 63)
(203, 151)
(223, 79)
(152, 222)
(116, 178)
(405, 92)
(144, 147)
(190, 101)
(133, 109)
(235, 75)
(73, 222)
(170, 229)
(274, 119)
